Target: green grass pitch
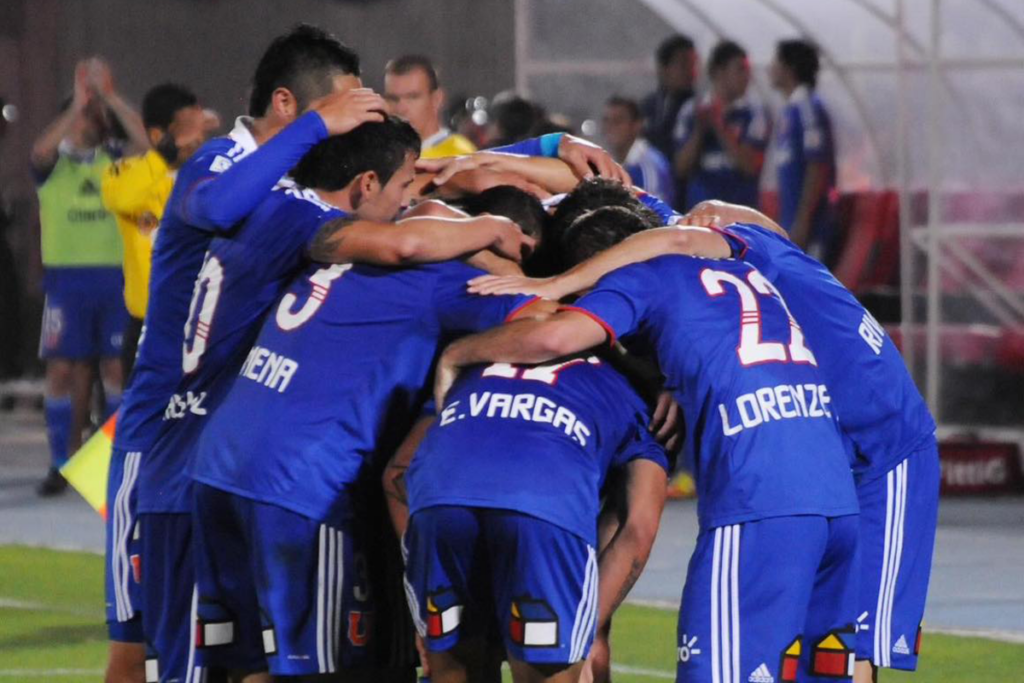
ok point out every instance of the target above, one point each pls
(51, 629)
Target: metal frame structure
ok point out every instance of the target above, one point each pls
(935, 241)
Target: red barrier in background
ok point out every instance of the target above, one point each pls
(980, 468)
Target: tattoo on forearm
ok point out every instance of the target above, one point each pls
(328, 239)
(634, 573)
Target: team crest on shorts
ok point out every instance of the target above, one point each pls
(533, 623)
(790, 661)
(444, 613)
(832, 657)
(359, 627)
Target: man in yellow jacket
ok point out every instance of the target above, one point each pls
(412, 91)
(135, 190)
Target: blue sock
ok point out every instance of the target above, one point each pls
(113, 402)
(58, 427)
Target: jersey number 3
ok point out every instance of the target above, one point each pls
(751, 350)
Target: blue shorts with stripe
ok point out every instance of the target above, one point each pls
(899, 512)
(469, 570)
(123, 566)
(770, 601)
(84, 314)
(169, 598)
(277, 590)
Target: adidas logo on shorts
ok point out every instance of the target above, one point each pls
(761, 675)
(901, 647)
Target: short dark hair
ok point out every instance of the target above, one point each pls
(670, 46)
(407, 63)
(304, 61)
(597, 193)
(163, 101)
(801, 57)
(600, 229)
(626, 103)
(380, 147)
(515, 116)
(512, 203)
(723, 53)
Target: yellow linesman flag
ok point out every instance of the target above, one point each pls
(87, 470)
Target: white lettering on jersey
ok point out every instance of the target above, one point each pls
(772, 404)
(269, 369)
(527, 407)
(182, 404)
(321, 280)
(872, 333)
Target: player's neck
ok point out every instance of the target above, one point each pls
(341, 199)
(432, 129)
(266, 127)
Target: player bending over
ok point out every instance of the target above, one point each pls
(770, 587)
(894, 455)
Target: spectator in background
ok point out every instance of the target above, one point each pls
(805, 160)
(135, 189)
(677, 71)
(84, 315)
(511, 119)
(622, 125)
(413, 92)
(10, 295)
(721, 141)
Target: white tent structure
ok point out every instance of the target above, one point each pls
(927, 99)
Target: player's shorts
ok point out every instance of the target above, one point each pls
(899, 512)
(169, 598)
(123, 567)
(84, 314)
(466, 567)
(785, 588)
(277, 590)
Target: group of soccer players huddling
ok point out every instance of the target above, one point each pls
(327, 362)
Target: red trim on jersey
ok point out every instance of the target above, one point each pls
(593, 316)
(520, 308)
(727, 234)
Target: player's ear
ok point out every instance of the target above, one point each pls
(437, 99)
(284, 104)
(365, 188)
(155, 135)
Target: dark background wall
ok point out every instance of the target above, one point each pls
(213, 46)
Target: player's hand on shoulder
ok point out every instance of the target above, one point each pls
(510, 241)
(493, 285)
(345, 111)
(584, 158)
(667, 422)
(444, 377)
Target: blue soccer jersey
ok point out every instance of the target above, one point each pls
(344, 355)
(761, 428)
(804, 136)
(649, 169)
(879, 406)
(549, 434)
(240, 279)
(716, 175)
(179, 251)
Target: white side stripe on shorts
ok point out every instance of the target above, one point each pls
(329, 587)
(586, 610)
(892, 554)
(725, 606)
(121, 528)
(194, 674)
